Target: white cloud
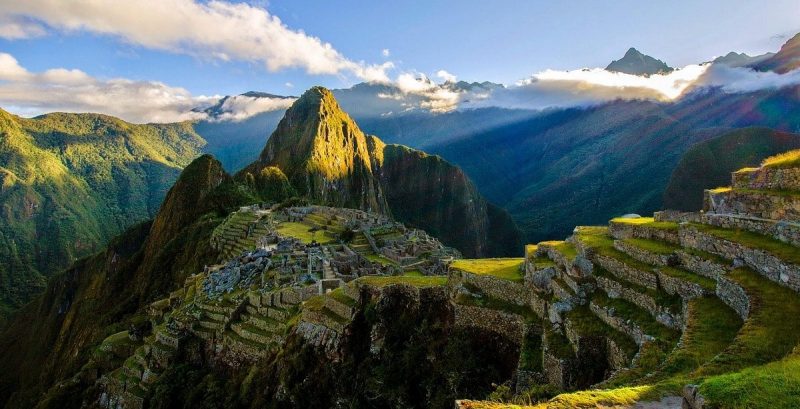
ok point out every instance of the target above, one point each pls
(385, 52)
(737, 79)
(289, 85)
(215, 29)
(240, 107)
(446, 76)
(28, 93)
(16, 27)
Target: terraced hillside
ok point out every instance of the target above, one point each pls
(693, 309)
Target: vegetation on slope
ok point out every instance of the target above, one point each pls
(70, 182)
(709, 164)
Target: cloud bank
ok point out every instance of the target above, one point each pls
(216, 29)
(29, 93)
(241, 107)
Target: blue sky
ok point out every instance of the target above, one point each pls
(500, 41)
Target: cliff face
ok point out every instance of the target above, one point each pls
(328, 159)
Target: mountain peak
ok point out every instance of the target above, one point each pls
(785, 60)
(636, 63)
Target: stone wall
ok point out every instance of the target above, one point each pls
(676, 216)
(617, 290)
(626, 272)
(683, 288)
(497, 288)
(762, 204)
(767, 178)
(700, 265)
(764, 263)
(734, 296)
(634, 231)
(784, 231)
(630, 329)
(508, 325)
(644, 255)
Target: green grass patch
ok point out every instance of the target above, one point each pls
(768, 334)
(704, 282)
(587, 324)
(505, 268)
(788, 159)
(382, 281)
(301, 231)
(673, 303)
(377, 258)
(653, 246)
(783, 251)
(413, 273)
(646, 222)
(774, 385)
(557, 344)
(339, 295)
(564, 247)
(640, 316)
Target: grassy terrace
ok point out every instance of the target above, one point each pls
(783, 251)
(301, 232)
(646, 222)
(704, 282)
(653, 246)
(339, 295)
(788, 159)
(640, 316)
(424, 281)
(767, 335)
(673, 303)
(564, 247)
(505, 268)
(377, 258)
(587, 324)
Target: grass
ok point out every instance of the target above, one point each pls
(587, 324)
(558, 345)
(505, 268)
(485, 301)
(774, 385)
(784, 160)
(640, 316)
(768, 334)
(382, 281)
(301, 231)
(413, 273)
(783, 251)
(339, 295)
(653, 246)
(704, 282)
(646, 222)
(564, 247)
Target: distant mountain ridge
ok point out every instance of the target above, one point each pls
(636, 63)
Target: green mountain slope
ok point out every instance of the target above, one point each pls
(99, 295)
(70, 182)
(329, 160)
(708, 164)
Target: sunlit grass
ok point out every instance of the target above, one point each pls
(505, 268)
(301, 231)
(424, 281)
(784, 160)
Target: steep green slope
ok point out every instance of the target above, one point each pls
(709, 164)
(100, 295)
(329, 160)
(69, 182)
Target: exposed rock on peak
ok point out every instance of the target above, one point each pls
(636, 63)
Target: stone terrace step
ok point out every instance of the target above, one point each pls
(686, 284)
(765, 204)
(598, 247)
(663, 307)
(581, 323)
(632, 320)
(652, 252)
(253, 333)
(778, 261)
(644, 228)
(785, 231)
(563, 253)
(245, 346)
(767, 178)
(260, 321)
